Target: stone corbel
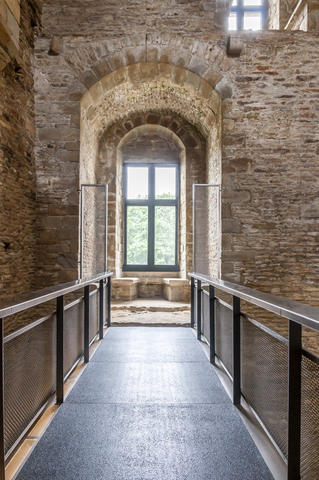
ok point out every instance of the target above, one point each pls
(234, 46)
(56, 46)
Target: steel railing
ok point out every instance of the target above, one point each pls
(294, 386)
(52, 334)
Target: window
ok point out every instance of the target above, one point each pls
(151, 217)
(247, 15)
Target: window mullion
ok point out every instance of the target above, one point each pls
(151, 214)
(240, 15)
(177, 213)
(125, 211)
(176, 233)
(151, 233)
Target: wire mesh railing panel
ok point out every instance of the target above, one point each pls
(205, 315)
(29, 373)
(94, 314)
(224, 335)
(105, 304)
(206, 230)
(264, 379)
(93, 230)
(310, 420)
(195, 308)
(73, 335)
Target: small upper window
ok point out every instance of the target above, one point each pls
(247, 15)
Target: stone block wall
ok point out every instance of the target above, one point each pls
(269, 137)
(9, 30)
(270, 151)
(120, 18)
(18, 234)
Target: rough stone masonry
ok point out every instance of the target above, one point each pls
(263, 151)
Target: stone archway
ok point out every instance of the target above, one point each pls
(149, 94)
(192, 147)
(134, 90)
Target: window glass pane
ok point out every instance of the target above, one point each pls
(252, 3)
(165, 182)
(232, 21)
(165, 235)
(137, 183)
(252, 21)
(137, 235)
(234, 4)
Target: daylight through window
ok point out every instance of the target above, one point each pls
(151, 217)
(247, 15)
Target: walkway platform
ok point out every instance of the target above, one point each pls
(148, 406)
(154, 312)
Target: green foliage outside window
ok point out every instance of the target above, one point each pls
(165, 235)
(137, 232)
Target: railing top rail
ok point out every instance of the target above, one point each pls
(298, 312)
(25, 301)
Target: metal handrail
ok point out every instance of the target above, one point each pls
(298, 315)
(25, 301)
(298, 312)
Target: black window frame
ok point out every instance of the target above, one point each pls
(151, 202)
(240, 9)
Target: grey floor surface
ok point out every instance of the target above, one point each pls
(149, 406)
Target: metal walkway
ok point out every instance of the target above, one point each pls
(148, 406)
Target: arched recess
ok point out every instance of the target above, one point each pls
(153, 143)
(150, 94)
(191, 153)
(110, 68)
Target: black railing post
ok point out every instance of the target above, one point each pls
(294, 400)
(212, 324)
(2, 445)
(236, 351)
(87, 324)
(101, 309)
(199, 310)
(109, 301)
(192, 302)
(59, 350)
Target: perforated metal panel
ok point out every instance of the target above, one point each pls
(264, 379)
(224, 335)
(206, 229)
(105, 304)
(205, 315)
(195, 308)
(29, 377)
(93, 229)
(94, 314)
(73, 334)
(310, 420)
